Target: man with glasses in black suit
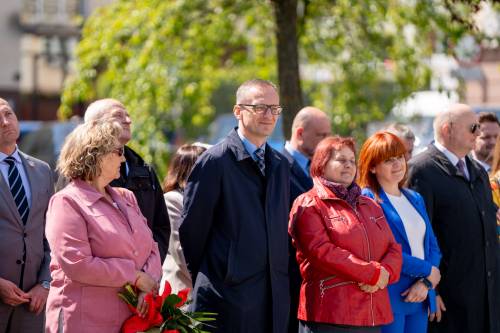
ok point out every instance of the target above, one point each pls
(234, 231)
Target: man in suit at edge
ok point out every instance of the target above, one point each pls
(457, 194)
(234, 229)
(309, 127)
(26, 185)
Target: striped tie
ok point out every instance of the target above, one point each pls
(17, 189)
(259, 154)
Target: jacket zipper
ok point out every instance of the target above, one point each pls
(322, 288)
(369, 259)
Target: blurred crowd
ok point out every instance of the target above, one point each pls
(314, 238)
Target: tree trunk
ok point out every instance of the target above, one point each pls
(285, 12)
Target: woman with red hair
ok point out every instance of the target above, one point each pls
(345, 249)
(382, 173)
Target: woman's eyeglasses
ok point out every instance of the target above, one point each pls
(119, 151)
(345, 162)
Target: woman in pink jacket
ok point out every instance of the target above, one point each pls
(98, 237)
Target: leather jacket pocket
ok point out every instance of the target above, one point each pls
(378, 221)
(335, 219)
(331, 282)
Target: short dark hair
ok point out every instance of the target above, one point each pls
(488, 117)
(180, 167)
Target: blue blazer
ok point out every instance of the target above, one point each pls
(413, 268)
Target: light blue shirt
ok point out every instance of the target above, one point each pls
(300, 158)
(250, 147)
(452, 157)
(4, 167)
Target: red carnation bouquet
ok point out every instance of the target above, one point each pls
(164, 312)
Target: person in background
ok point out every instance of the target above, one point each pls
(457, 195)
(309, 127)
(382, 173)
(495, 179)
(489, 128)
(346, 251)
(135, 174)
(234, 229)
(99, 239)
(406, 135)
(26, 186)
(174, 267)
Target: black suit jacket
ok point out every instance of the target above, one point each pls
(234, 237)
(142, 180)
(462, 214)
(299, 183)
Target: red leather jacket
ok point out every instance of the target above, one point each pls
(338, 247)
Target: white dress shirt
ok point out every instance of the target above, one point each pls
(452, 157)
(413, 223)
(4, 167)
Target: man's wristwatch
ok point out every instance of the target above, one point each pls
(45, 285)
(427, 283)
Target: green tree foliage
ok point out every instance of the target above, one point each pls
(165, 60)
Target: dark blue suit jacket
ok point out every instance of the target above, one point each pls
(235, 239)
(299, 183)
(413, 268)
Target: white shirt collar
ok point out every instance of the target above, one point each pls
(449, 155)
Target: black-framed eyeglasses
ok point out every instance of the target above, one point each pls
(262, 108)
(119, 151)
(474, 128)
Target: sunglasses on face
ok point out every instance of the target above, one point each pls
(474, 128)
(119, 151)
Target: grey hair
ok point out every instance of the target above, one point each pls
(97, 110)
(401, 130)
(247, 85)
(448, 116)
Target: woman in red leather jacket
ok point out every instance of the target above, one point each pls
(345, 249)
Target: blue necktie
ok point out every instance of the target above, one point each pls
(259, 154)
(17, 189)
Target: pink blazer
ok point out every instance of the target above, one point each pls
(96, 249)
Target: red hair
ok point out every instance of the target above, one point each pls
(324, 152)
(376, 149)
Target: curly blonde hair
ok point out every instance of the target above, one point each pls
(84, 148)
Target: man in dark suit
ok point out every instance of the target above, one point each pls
(458, 198)
(234, 229)
(309, 127)
(135, 174)
(26, 186)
